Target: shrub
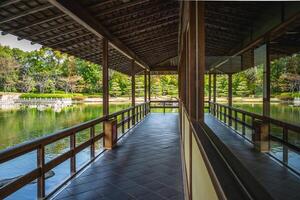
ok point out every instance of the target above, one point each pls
(78, 98)
(296, 95)
(285, 96)
(48, 95)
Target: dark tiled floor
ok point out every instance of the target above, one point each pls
(145, 165)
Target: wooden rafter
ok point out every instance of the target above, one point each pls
(142, 11)
(36, 23)
(25, 12)
(83, 17)
(122, 6)
(8, 2)
(58, 26)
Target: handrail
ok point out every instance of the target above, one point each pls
(133, 114)
(164, 104)
(265, 118)
(229, 114)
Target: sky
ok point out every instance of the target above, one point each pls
(13, 42)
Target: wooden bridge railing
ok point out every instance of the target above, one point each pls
(129, 116)
(279, 131)
(164, 104)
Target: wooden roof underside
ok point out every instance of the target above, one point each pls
(148, 29)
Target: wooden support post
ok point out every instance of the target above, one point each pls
(92, 135)
(41, 179)
(192, 72)
(200, 59)
(73, 158)
(209, 87)
(149, 86)
(133, 91)
(260, 136)
(105, 77)
(214, 92)
(110, 136)
(145, 86)
(267, 83)
(230, 99)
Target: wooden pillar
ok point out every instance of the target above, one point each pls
(149, 86)
(260, 136)
(215, 88)
(267, 83)
(105, 77)
(133, 90)
(214, 92)
(200, 32)
(145, 86)
(230, 98)
(192, 73)
(209, 87)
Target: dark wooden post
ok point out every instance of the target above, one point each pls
(149, 86)
(133, 91)
(194, 88)
(230, 98)
(200, 49)
(209, 87)
(214, 92)
(41, 179)
(145, 86)
(73, 158)
(149, 90)
(267, 83)
(260, 136)
(92, 136)
(105, 77)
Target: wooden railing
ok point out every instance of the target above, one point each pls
(241, 120)
(164, 104)
(128, 117)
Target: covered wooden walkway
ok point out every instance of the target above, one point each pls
(145, 165)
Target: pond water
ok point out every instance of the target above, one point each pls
(24, 124)
(286, 112)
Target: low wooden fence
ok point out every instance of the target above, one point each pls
(241, 120)
(129, 117)
(168, 104)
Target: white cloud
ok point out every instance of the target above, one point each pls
(13, 42)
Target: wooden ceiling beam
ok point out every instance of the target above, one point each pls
(56, 27)
(120, 7)
(35, 23)
(164, 68)
(157, 48)
(151, 45)
(8, 3)
(148, 28)
(152, 15)
(99, 4)
(26, 12)
(148, 40)
(85, 42)
(163, 30)
(71, 39)
(64, 33)
(83, 17)
(154, 7)
(148, 25)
